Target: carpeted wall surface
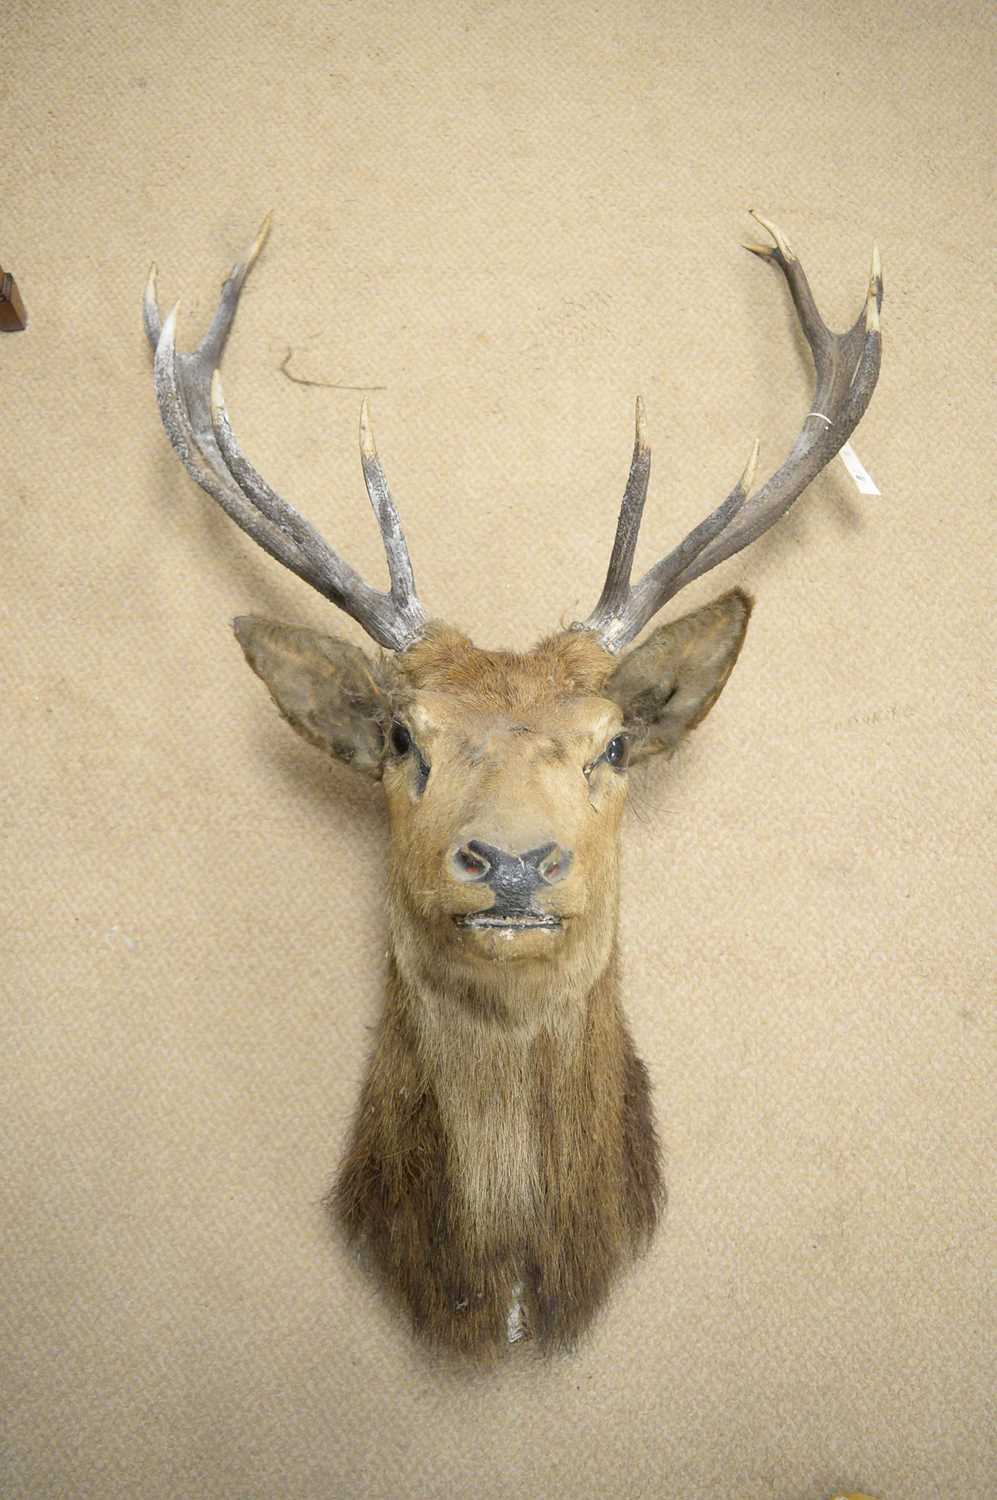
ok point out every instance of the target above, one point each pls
(501, 220)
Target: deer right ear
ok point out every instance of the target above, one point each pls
(326, 688)
(666, 685)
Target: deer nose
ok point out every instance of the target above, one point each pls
(512, 877)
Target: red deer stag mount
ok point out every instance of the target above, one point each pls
(503, 1165)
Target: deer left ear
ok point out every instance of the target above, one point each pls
(326, 688)
(666, 685)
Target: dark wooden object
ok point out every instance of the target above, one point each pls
(13, 315)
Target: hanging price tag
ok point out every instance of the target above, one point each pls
(864, 482)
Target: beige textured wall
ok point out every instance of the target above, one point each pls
(508, 218)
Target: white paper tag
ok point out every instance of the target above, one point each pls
(864, 482)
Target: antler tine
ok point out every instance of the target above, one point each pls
(616, 589)
(206, 466)
(322, 567)
(191, 404)
(396, 551)
(847, 368)
(214, 340)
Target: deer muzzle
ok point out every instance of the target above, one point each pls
(515, 881)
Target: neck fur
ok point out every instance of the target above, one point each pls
(503, 1156)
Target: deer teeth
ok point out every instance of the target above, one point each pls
(507, 921)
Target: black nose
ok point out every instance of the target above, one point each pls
(512, 877)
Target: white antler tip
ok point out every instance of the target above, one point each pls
(260, 240)
(367, 448)
(875, 290)
(748, 477)
(217, 395)
(640, 428)
(170, 325)
(780, 239)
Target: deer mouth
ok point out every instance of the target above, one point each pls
(507, 921)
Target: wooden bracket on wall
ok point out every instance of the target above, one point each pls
(13, 314)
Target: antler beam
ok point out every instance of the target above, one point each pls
(191, 404)
(847, 368)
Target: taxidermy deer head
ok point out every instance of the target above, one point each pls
(503, 1164)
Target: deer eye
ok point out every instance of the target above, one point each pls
(401, 744)
(399, 738)
(617, 752)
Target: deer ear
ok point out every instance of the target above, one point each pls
(327, 689)
(670, 682)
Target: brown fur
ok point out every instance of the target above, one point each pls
(504, 1149)
(525, 1162)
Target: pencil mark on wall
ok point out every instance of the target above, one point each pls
(573, 322)
(325, 385)
(874, 716)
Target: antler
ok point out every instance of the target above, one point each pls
(189, 393)
(847, 367)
